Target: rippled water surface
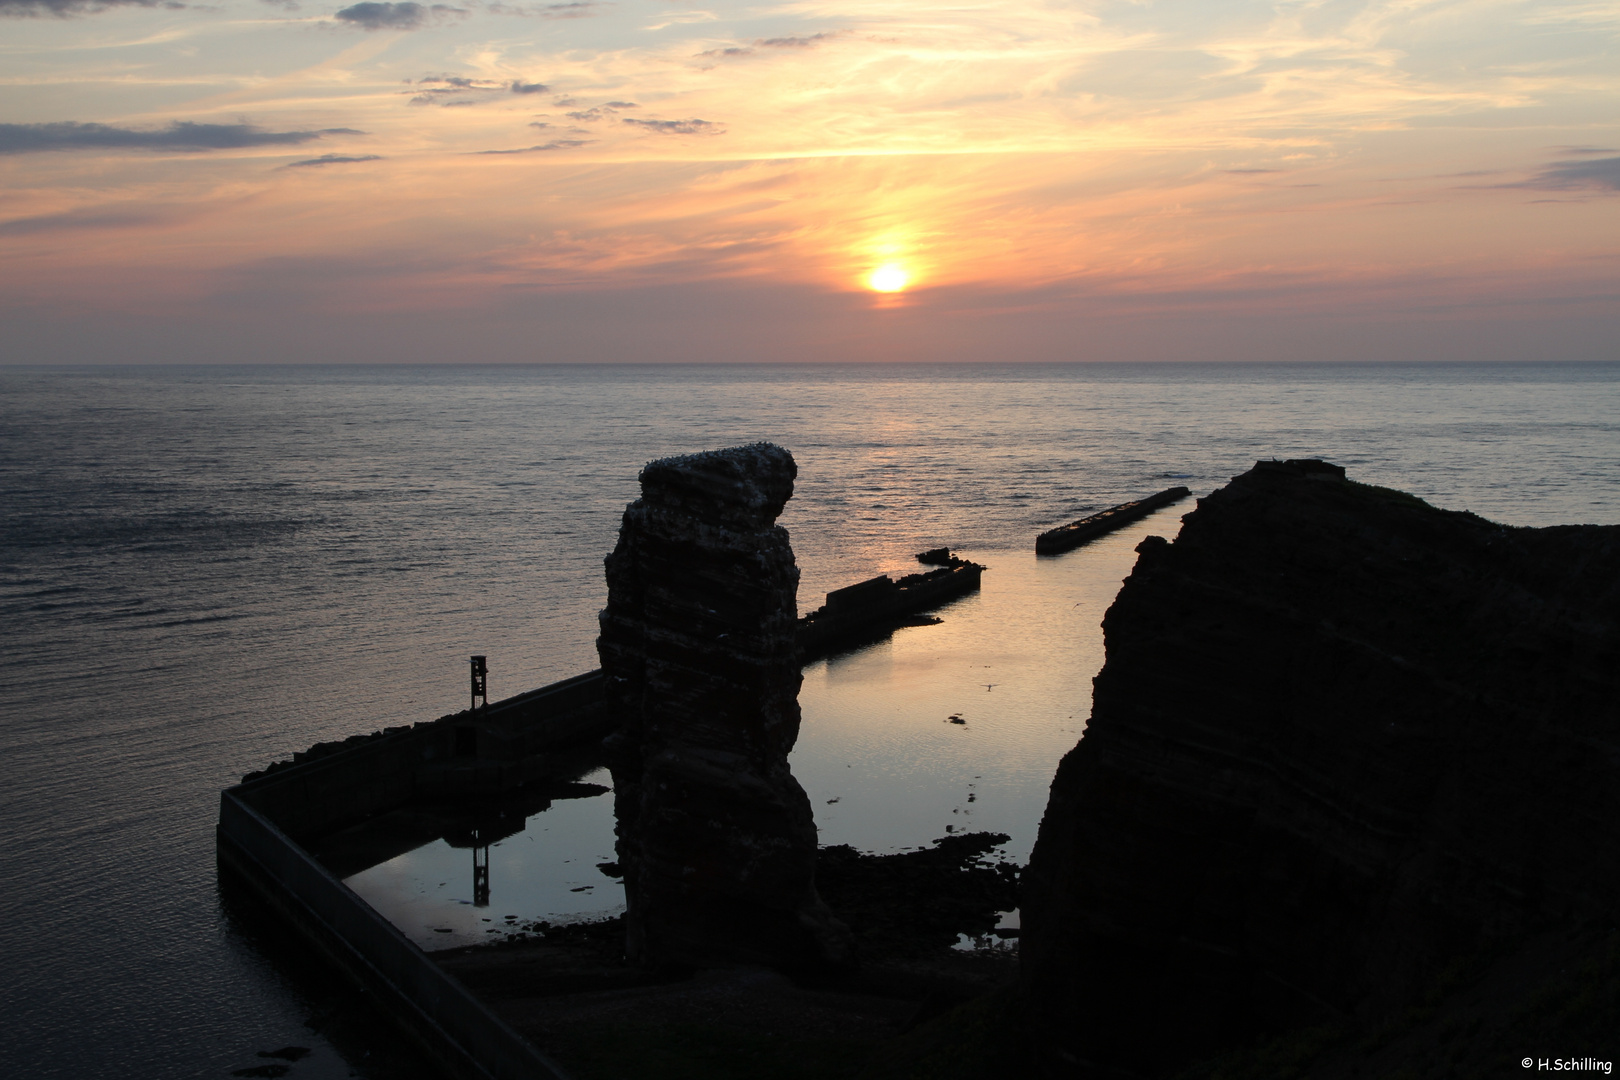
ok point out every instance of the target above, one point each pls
(205, 569)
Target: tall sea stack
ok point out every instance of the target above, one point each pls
(1352, 769)
(715, 837)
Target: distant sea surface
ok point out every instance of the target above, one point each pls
(204, 569)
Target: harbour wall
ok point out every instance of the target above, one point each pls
(483, 752)
(263, 820)
(539, 735)
(461, 1035)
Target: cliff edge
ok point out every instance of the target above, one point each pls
(1350, 757)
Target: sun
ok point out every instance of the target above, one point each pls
(890, 278)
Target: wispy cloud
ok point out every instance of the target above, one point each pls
(457, 81)
(64, 8)
(681, 18)
(78, 219)
(796, 41)
(386, 15)
(677, 127)
(180, 135)
(578, 9)
(332, 159)
(439, 88)
(1600, 173)
(557, 144)
(606, 111)
(801, 41)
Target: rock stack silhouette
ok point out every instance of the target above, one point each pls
(716, 838)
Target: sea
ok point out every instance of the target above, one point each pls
(204, 569)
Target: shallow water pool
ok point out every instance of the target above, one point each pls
(935, 729)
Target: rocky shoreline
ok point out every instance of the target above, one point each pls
(571, 989)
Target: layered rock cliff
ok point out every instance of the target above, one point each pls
(715, 837)
(1346, 749)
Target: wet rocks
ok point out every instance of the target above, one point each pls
(716, 839)
(911, 903)
(1344, 747)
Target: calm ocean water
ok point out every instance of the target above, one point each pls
(204, 569)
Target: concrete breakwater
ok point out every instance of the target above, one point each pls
(1070, 536)
(496, 748)
(474, 752)
(270, 822)
(266, 821)
(871, 608)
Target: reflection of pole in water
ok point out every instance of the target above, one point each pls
(480, 831)
(481, 876)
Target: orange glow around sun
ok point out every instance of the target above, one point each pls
(888, 278)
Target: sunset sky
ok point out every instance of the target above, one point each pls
(643, 180)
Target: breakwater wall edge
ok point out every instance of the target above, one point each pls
(264, 821)
(1075, 533)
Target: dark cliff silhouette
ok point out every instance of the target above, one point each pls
(1352, 770)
